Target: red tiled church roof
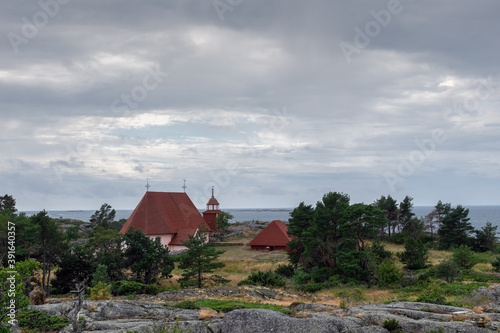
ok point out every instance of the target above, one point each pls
(160, 213)
(275, 234)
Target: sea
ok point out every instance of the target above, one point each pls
(478, 215)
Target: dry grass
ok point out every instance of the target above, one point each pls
(206, 314)
(240, 261)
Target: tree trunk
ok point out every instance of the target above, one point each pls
(73, 314)
(44, 271)
(48, 278)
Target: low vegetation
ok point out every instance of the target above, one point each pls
(228, 305)
(39, 321)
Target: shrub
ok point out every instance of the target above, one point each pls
(398, 238)
(121, 288)
(312, 287)
(100, 292)
(300, 277)
(37, 296)
(496, 264)
(392, 325)
(190, 305)
(351, 296)
(227, 306)
(285, 270)
(447, 270)
(432, 294)
(464, 257)
(267, 279)
(38, 320)
(388, 273)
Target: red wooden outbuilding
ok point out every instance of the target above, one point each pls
(273, 237)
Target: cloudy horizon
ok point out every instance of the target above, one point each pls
(270, 103)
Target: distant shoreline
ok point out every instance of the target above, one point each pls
(479, 215)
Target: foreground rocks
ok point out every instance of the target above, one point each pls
(143, 316)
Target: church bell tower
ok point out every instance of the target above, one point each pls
(212, 212)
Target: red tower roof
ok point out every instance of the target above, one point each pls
(275, 234)
(160, 213)
(212, 201)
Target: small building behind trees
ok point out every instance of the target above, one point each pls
(273, 237)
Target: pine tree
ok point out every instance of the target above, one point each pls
(146, 258)
(455, 228)
(199, 262)
(415, 254)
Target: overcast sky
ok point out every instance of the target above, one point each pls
(270, 102)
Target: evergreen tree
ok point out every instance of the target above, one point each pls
(74, 266)
(300, 221)
(8, 202)
(415, 254)
(331, 239)
(455, 228)
(486, 238)
(51, 246)
(390, 208)
(100, 275)
(405, 212)
(103, 217)
(146, 258)
(222, 221)
(199, 262)
(106, 245)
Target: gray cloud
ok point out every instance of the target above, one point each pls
(262, 105)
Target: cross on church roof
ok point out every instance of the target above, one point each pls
(184, 186)
(147, 185)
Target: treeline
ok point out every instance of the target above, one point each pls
(341, 242)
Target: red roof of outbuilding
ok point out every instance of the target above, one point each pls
(275, 234)
(160, 213)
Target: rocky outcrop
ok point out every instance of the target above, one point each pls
(142, 316)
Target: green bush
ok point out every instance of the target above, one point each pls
(460, 289)
(432, 294)
(267, 279)
(190, 305)
(351, 296)
(34, 319)
(121, 288)
(100, 291)
(496, 264)
(388, 274)
(447, 270)
(285, 270)
(464, 257)
(300, 277)
(392, 325)
(226, 306)
(479, 277)
(312, 287)
(398, 238)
